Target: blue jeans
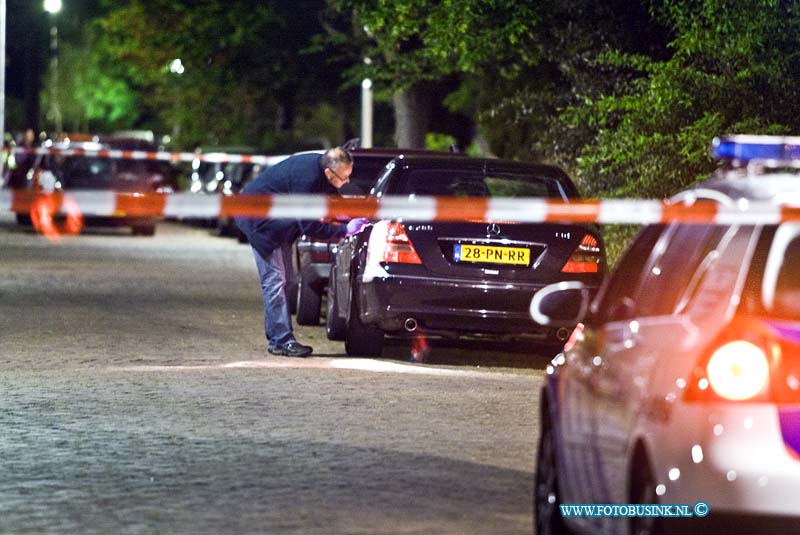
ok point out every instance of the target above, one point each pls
(273, 272)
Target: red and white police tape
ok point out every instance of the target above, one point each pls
(421, 209)
(213, 157)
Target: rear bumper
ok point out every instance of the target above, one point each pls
(733, 480)
(110, 221)
(724, 523)
(453, 306)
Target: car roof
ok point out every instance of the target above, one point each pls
(777, 187)
(85, 145)
(101, 143)
(388, 152)
(754, 167)
(453, 160)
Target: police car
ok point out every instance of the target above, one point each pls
(681, 384)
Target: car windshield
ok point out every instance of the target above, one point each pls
(459, 183)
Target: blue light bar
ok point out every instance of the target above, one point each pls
(748, 148)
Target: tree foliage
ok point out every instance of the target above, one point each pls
(730, 70)
(417, 51)
(243, 80)
(416, 40)
(626, 95)
(89, 97)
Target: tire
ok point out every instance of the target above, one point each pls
(643, 491)
(361, 340)
(546, 496)
(143, 230)
(547, 349)
(291, 296)
(335, 325)
(24, 220)
(309, 302)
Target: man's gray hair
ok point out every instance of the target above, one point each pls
(334, 157)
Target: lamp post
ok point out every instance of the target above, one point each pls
(2, 80)
(176, 67)
(366, 113)
(53, 7)
(366, 109)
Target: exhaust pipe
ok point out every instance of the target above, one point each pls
(562, 334)
(410, 325)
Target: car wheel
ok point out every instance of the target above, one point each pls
(24, 220)
(335, 325)
(643, 491)
(361, 340)
(291, 296)
(143, 230)
(308, 303)
(546, 498)
(547, 349)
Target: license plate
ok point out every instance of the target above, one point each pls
(491, 254)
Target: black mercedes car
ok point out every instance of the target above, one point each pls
(470, 278)
(314, 256)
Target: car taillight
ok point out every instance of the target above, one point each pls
(749, 363)
(36, 183)
(585, 258)
(397, 246)
(738, 370)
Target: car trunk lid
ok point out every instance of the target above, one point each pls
(518, 251)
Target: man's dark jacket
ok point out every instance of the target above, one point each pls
(297, 174)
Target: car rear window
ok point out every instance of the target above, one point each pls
(458, 183)
(787, 287)
(102, 172)
(79, 172)
(678, 256)
(781, 286)
(365, 173)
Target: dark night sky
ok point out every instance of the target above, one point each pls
(27, 44)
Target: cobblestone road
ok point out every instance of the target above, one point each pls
(137, 398)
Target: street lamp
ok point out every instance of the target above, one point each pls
(53, 7)
(2, 81)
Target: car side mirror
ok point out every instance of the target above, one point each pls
(562, 304)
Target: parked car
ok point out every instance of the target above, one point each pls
(230, 180)
(55, 172)
(682, 382)
(314, 256)
(210, 177)
(473, 278)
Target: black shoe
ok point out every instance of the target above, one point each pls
(292, 349)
